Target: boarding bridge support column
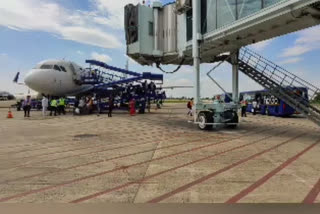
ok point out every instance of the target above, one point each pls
(196, 11)
(235, 77)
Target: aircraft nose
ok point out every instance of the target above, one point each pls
(29, 79)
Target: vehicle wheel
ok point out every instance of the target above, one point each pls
(204, 118)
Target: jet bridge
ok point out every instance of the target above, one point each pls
(200, 31)
(163, 34)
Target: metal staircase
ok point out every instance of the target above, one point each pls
(280, 83)
(102, 75)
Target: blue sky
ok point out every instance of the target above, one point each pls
(35, 30)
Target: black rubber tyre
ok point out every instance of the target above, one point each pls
(205, 117)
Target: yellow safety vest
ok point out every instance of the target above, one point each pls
(62, 102)
(53, 103)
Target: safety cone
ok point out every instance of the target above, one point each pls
(10, 116)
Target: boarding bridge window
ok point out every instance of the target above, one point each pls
(55, 67)
(267, 3)
(189, 25)
(226, 12)
(248, 7)
(151, 29)
(46, 66)
(211, 15)
(203, 16)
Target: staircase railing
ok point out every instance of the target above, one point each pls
(275, 72)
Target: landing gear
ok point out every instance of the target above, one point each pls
(204, 118)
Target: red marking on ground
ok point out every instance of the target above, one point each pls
(163, 172)
(209, 176)
(106, 172)
(265, 178)
(313, 194)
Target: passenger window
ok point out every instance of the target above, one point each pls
(56, 68)
(63, 69)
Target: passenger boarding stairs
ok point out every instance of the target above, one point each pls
(102, 75)
(280, 83)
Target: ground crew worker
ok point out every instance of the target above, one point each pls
(53, 106)
(61, 106)
(243, 108)
(111, 103)
(142, 106)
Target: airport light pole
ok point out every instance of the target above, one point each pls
(196, 10)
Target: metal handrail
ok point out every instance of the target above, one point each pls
(259, 60)
(280, 69)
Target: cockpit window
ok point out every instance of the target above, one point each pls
(63, 69)
(56, 68)
(46, 66)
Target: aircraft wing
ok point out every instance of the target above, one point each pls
(175, 87)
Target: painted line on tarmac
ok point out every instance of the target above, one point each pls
(116, 169)
(168, 170)
(209, 176)
(97, 147)
(265, 178)
(313, 194)
(104, 160)
(43, 161)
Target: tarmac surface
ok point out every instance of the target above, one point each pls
(157, 158)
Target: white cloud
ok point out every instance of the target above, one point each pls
(291, 60)
(261, 45)
(101, 57)
(114, 10)
(47, 16)
(308, 40)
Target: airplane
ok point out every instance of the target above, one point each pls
(56, 78)
(60, 78)
(6, 96)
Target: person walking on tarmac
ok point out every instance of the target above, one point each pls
(111, 104)
(132, 105)
(61, 106)
(53, 106)
(189, 106)
(243, 108)
(27, 106)
(44, 103)
(254, 107)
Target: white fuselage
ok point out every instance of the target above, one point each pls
(56, 78)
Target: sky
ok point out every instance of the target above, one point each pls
(35, 30)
